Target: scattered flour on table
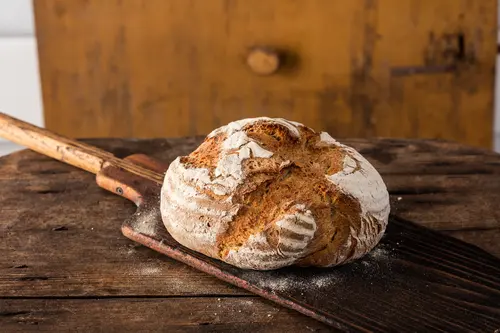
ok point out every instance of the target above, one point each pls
(292, 281)
(146, 222)
(146, 268)
(380, 253)
(149, 270)
(327, 278)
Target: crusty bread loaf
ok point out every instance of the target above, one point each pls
(266, 193)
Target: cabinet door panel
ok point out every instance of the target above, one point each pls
(402, 68)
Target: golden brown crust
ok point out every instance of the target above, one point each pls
(274, 189)
(291, 203)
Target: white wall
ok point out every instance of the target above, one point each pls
(20, 92)
(16, 18)
(19, 81)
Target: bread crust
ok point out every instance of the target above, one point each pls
(265, 193)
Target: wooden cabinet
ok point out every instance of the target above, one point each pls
(359, 68)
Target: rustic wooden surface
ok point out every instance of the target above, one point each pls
(413, 274)
(360, 68)
(65, 264)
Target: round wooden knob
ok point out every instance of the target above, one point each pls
(263, 62)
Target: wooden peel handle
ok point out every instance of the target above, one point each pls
(66, 150)
(47, 143)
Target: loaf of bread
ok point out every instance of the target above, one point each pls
(266, 193)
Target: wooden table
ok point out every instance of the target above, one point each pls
(65, 265)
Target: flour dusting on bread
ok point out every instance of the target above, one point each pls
(360, 180)
(326, 138)
(266, 193)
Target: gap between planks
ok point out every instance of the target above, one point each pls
(96, 297)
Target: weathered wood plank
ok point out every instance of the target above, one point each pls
(113, 265)
(486, 239)
(81, 262)
(207, 314)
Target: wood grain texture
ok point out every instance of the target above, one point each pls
(363, 68)
(208, 314)
(45, 203)
(411, 276)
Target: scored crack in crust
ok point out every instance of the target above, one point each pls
(266, 193)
